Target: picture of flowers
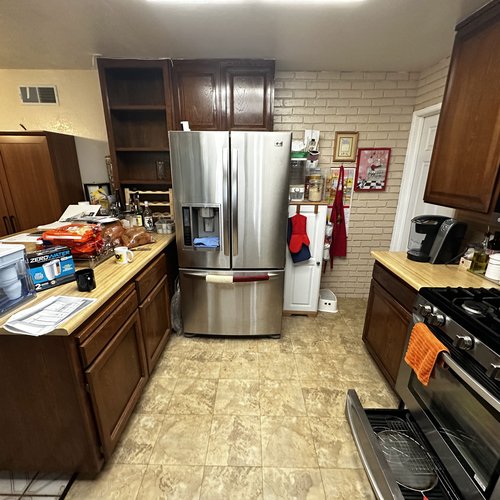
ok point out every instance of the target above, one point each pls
(371, 169)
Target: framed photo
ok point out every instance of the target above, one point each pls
(98, 194)
(371, 169)
(346, 144)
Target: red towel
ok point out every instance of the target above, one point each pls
(423, 350)
(338, 248)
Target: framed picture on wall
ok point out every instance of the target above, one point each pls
(371, 169)
(345, 146)
(98, 194)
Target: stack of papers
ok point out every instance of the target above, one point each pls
(45, 316)
(72, 212)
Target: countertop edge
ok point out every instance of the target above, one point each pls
(423, 274)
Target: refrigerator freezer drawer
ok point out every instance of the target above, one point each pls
(232, 304)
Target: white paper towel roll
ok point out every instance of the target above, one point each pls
(218, 278)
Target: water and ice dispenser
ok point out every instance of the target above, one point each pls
(201, 226)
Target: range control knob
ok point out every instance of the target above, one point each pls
(437, 319)
(464, 342)
(425, 310)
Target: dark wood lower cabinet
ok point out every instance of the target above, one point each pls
(388, 317)
(155, 321)
(66, 400)
(116, 380)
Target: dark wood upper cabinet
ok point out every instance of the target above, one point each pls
(249, 95)
(464, 170)
(32, 163)
(224, 94)
(137, 98)
(198, 99)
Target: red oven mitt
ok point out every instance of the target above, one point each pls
(299, 233)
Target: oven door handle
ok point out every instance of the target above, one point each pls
(470, 382)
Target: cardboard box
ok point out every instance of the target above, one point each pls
(51, 267)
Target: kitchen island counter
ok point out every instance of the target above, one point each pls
(110, 277)
(423, 274)
(68, 395)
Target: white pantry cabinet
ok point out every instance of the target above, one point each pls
(302, 280)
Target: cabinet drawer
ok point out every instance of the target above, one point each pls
(106, 323)
(149, 278)
(403, 293)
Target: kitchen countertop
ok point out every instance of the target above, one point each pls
(110, 277)
(423, 274)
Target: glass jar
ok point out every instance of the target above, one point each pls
(315, 191)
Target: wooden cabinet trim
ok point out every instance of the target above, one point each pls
(148, 279)
(400, 291)
(112, 319)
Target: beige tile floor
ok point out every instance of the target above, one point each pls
(249, 418)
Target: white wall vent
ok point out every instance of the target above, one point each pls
(42, 94)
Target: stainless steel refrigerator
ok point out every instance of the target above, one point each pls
(230, 194)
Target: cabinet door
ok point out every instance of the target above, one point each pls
(32, 197)
(155, 322)
(385, 331)
(249, 93)
(302, 280)
(197, 95)
(116, 379)
(466, 157)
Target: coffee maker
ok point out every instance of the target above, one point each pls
(435, 239)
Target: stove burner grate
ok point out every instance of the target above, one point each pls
(475, 308)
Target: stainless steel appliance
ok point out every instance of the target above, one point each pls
(457, 415)
(435, 239)
(230, 192)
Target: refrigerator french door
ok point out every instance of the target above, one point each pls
(230, 195)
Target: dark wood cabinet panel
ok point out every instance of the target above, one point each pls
(116, 380)
(138, 108)
(388, 317)
(39, 177)
(46, 422)
(464, 170)
(224, 94)
(249, 96)
(155, 322)
(198, 94)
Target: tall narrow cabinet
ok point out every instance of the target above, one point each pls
(302, 280)
(39, 178)
(137, 99)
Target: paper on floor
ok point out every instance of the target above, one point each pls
(45, 316)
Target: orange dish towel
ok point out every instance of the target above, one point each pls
(423, 350)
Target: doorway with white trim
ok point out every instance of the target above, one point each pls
(415, 171)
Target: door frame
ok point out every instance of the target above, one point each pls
(410, 171)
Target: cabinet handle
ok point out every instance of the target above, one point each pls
(6, 224)
(13, 223)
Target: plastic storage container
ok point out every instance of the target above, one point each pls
(327, 301)
(16, 284)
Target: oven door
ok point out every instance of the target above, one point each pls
(459, 415)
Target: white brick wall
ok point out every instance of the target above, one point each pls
(378, 105)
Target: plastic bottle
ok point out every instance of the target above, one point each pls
(147, 217)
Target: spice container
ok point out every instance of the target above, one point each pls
(315, 191)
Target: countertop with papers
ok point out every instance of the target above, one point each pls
(110, 277)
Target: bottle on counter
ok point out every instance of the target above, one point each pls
(137, 211)
(147, 217)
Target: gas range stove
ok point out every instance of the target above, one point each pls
(469, 317)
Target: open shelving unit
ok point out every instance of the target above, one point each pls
(137, 98)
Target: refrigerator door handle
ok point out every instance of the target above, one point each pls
(225, 199)
(234, 199)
